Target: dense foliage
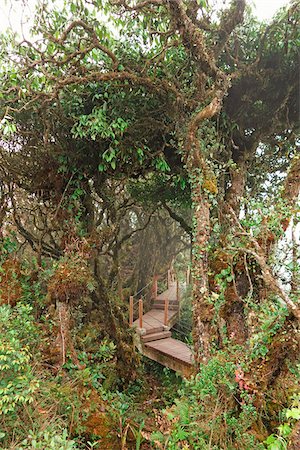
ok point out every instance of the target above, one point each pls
(136, 135)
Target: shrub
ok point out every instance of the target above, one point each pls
(50, 439)
(17, 381)
(211, 412)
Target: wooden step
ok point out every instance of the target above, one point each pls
(154, 330)
(171, 353)
(156, 336)
(171, 307)
(162, 302)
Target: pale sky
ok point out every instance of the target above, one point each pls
(12, 17)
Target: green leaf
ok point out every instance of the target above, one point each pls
(271, 439)
(162, 165)
(181, 434)
(276, 446)
(202, 3)
(285, 430)
(73, 8)
(293, 413)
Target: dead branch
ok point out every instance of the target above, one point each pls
(270, 281)
(178, 219)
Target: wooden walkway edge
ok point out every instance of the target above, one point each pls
(153, 335)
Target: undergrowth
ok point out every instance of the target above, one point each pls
(46, 407)
(84, 406)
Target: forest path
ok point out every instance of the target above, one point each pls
(153, 331)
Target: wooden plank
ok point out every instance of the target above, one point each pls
(155, 318)
(156, 336)
(140, 313)
(170, 293)
(172, 347)
(182, 367)
(168, 351)
(162, 302)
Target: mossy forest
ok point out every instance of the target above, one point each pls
(149, 225)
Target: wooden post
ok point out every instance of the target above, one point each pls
(140, 313)
(166, 312)
(130, 311)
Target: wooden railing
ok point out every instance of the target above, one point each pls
(171, 278)
(140, 303)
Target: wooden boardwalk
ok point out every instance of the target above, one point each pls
(154, 336)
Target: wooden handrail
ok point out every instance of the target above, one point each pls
(140, 313)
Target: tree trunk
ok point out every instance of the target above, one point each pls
(203, 184)
(64, 342)
(117, 328)
(202, 308)
(232, 312)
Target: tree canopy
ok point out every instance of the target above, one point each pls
(134, 131)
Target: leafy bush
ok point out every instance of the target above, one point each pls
(280, 440)
(47, 440)
(30, 396)
(210, 412)
(17, 381)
